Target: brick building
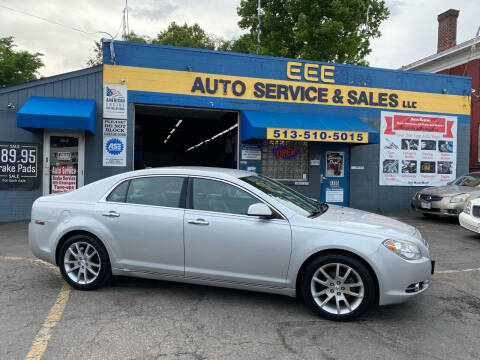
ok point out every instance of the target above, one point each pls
(452, 59)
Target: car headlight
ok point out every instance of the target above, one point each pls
(459, 198)
(468, 207)
(404, 249)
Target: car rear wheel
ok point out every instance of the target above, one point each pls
(83, 262)
(338, 287)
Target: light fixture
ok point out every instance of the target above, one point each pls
(212, 138)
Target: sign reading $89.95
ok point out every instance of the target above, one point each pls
(317, 135)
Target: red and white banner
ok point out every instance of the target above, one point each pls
(417, 149)
(64, 179)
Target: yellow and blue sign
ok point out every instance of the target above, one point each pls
(330, 93)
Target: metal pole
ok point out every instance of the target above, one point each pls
(259, 27)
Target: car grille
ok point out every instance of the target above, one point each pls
(476, 211)
(428, 197)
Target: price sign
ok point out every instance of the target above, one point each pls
(317, 135)
(19, 168)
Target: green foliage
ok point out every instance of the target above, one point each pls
(244, 44)
(184, 35)
(17, 66)
(324, 30)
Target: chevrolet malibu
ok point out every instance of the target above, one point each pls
(230, 228)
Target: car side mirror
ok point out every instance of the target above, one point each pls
(259, 209)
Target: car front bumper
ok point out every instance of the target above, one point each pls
(442, 208)
(469, 222)
(400, 279)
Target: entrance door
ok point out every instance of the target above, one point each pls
(63, 161)
(335, 166)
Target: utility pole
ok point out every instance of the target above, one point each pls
(259, 27)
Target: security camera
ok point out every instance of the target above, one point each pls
(10, 106)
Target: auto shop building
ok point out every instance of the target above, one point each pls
(348, 135)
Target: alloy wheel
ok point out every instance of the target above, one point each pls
(337, 288)
(82, 263)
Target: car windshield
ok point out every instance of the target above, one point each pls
(472, 180)
(295, 201)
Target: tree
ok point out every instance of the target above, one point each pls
(97, 56)
(244, 44)
(176, 35)
(324, 30)
(184, 35)
(17, 66)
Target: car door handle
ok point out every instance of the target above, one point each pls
(111, 214)
(198, 222)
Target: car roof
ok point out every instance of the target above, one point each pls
(193, 170)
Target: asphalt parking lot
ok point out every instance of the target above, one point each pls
(131, 318)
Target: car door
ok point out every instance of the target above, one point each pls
(223, 243)
(145, 218)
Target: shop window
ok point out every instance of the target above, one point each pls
(285, 160)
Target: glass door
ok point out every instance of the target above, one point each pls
(335, 184)
(63, 161)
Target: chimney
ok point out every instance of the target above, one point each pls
(447, 30)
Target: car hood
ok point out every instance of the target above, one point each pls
(449, 190)
(364, 222)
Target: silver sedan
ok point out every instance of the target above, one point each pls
(234, 229)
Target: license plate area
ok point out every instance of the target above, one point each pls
(425, 205)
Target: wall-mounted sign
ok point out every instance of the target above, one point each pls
(334, 195)
(299, 82)
(285, 152)
(115, 101)
(63, 178)
(114, 142)
(19, 169)
(317, 135)
(335, 163)
(251, 152)
(417, 149)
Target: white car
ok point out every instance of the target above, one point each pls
(230, 228)
(470, 217)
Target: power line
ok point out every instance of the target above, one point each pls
(55, 22)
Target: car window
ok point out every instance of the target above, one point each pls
(288, 197)
(118, 194)
(212, 195)
(155, 190)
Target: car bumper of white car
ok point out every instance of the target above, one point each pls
(469, 222)
(399, 279)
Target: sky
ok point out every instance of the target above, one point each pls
(409, 34)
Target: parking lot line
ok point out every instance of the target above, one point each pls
(455, 271)
(43, 336)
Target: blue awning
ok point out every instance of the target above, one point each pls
(256, 123)
(57, 113)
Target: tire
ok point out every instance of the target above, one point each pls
(332, 305)
(84, 262)
(430, 216)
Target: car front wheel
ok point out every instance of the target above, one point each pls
(83, 262)
(338, 287)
